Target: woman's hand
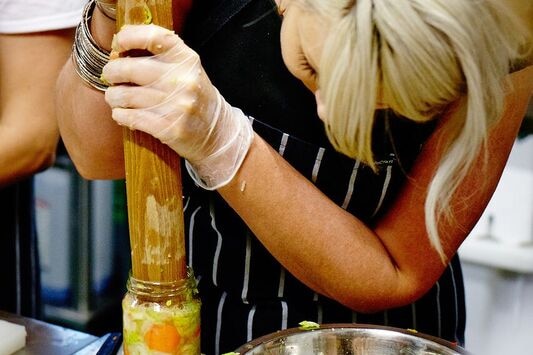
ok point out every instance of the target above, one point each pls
(168, 95)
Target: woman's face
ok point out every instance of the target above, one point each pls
(303, 34)
(302, 37)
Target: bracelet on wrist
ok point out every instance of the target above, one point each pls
(87, 56)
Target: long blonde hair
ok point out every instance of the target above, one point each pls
(417, 56)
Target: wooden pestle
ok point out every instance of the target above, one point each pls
(153, 179)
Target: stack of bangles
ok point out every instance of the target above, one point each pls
(87, 56)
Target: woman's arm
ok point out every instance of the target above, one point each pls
(336, 254)
(93, 140)
(29, 66)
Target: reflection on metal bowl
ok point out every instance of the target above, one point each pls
(349, 339)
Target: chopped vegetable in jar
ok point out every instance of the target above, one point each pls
(152, 328)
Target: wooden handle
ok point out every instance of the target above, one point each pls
(153, 179)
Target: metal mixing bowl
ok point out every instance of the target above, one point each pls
(349, 339)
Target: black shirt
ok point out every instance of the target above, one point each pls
(19, 262)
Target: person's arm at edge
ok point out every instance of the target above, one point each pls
(336, 254)
(28, 128)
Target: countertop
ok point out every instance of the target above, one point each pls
(48, 339)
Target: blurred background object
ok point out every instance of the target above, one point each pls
(84, 248)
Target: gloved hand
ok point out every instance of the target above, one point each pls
(169, 96)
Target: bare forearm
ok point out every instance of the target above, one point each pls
(335, 253)
(317, 241)
(93, 140)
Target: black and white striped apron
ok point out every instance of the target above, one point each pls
(245, 292)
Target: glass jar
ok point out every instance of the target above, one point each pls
(161, 317)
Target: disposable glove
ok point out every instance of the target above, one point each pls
(169, 96)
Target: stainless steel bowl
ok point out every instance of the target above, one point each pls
(349, 339)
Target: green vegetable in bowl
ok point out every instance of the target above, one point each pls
(308, 325)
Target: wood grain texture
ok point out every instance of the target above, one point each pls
(153, 179)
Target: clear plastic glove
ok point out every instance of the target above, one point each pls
(169, 96)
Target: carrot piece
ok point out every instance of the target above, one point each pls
(162, 337)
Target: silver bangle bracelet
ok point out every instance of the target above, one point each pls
(108, 8)
(87, 56)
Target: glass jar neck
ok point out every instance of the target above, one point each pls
(159, 290)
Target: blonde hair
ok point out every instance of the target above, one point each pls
(417, 56)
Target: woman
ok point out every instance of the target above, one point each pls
(312, 234)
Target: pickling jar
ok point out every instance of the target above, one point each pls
(161, 317)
